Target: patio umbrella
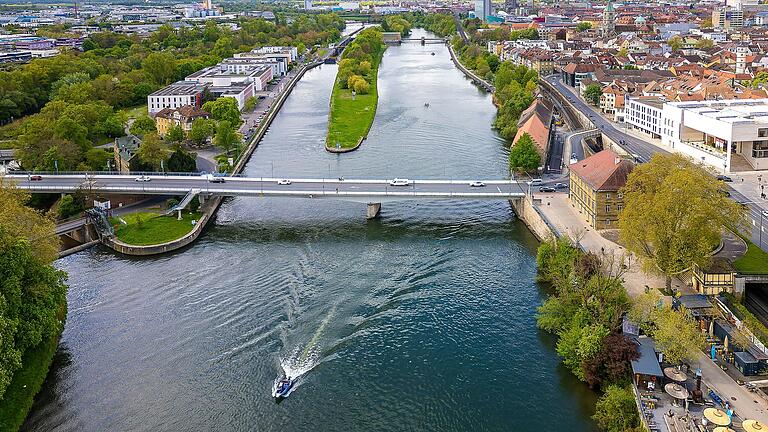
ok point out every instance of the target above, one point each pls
(711, 328)
(722, 429)
(725, 343)
(675, 374)
(676, 391)
(754, 426)
(717, 416)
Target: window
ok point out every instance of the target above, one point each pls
(620, 207)
(607, 221)
(762, 132)
(607, 208)
(607, 196)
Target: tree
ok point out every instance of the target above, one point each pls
(675, 42)
(226, 137)
(250, 103)
(593, 93)
(677, 335)
(224, 108)
(152, 151)
(583, 26)
(704, 43)
(160, 67)
(523, 156)
(68, 207)
(611, 364)
(706, 23)
(21, 221)
(201, 130)
(143, 125)
(616, 410)
(182, 161)
(674, 214)
(175, 134)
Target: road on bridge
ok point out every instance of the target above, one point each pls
(350, 189)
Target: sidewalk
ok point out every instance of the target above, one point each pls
(746, 404)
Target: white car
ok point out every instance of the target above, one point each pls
(399, 182)
(477, 184)
(536, 182)
(284, 182)
(142, 178)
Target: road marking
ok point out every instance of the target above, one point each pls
(498, 188)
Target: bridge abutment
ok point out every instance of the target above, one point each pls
(373, 210)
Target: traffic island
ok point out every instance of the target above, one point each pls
(147, 229)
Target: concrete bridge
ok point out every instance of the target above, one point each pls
(370, 191)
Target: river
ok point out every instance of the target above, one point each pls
(421, 320)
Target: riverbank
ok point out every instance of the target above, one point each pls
(143, 229)
(27, 381)
(355, 95)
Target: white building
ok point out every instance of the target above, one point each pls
(222, 76)
(644, 113)
(175, 96)
(483, 9)
(719, 132)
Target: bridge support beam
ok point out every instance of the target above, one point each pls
(179, 217)
(373, 210)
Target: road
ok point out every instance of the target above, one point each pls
(349, 189)
(644, 150)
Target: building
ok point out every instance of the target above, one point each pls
(608, 23)
(594, 187)
(536, 121)
(223, 75)
(183, 116)
(125, 149)
(573, 73)
(483, 9)
(727, 18)
(715, 278)
(721, 133)
(510, 6)
(307, 4)
(392, 37)
(176, 95)
(646, 372)
(644, 113)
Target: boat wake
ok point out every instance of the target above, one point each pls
(303, 360)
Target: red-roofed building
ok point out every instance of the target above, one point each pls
(595, 183)
(536, 121)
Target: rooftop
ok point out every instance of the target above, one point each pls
(603, 171)
(729, 111)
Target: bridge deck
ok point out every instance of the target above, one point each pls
(348, 189)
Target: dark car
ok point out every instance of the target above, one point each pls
(36, 178)
(546, 189)
(724, 178)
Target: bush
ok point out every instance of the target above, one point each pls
(171, 203)
(68, 207)
(616, 410)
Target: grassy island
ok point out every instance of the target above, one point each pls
(143, 229)
(355, 96)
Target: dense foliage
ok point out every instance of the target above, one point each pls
(593, 93)
(439, 24)
(523, 157)
(74, 100)
(616, 410)
(360, 61)
(32, 291)
(674, 214)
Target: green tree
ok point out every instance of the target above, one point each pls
(250, 104)
(201, 130)
(182, 161)
(160, 67)
(676, 334)
(675, 212)
(616, 410)
(68, 207)
(675, 42)
(18, 220)
(175, 135)
(593, 93)
(706, 23)
(704, 43)
(583, 26)
(224, 108)
(152, 151)
(143, 125)
(226, 137)
(523, 156)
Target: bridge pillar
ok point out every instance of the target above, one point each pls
(373, 210)
(201, 199)
(179, 217)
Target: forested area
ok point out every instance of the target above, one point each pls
(76, 100)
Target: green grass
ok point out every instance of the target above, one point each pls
(26, 382)
(351, 119)
(136, 111)
(154, 228)
(754, 261)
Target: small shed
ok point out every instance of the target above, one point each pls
(746, 363)
(646, 369)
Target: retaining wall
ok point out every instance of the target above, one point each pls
(527, 212)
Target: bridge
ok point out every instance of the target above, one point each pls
(370, 191)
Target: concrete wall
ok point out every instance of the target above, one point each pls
(527, 212)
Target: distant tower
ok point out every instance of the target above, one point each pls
(307, 4)
(207, 4)
(609, 19)
(510, 6)
(741, 59)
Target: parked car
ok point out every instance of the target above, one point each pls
(142, 178)
(399, 182)
(477, 184)
(535, 182)
(36, 178)
(284, 182)
(561, 186)
(546, 189)
(724, 178)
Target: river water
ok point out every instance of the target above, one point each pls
(422, 320)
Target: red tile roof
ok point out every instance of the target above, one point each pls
(603, 171)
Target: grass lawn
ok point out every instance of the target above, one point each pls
(26, 382)
(136, 111)
(755, 260)
(154, 228)
(351, 119)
